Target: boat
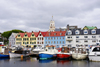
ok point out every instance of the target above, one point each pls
(79, 53)
(19, 52)
(94, 53)
(64, 54)
(48, 53)
(35, 51)
(2, 52)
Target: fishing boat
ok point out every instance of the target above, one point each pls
(94, 54)
(48, 53)
(64, 54)
(35, 51)
(19, 52)
(79, 53)
(2, 54)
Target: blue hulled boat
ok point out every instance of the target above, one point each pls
(4, 56)
(50, 52)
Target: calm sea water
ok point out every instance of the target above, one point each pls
(34, 62)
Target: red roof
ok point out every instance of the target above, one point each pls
(35, 33)
(56, 33)
(29, 34)
(22, 34)
(43, 33)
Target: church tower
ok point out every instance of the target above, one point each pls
(52, 25)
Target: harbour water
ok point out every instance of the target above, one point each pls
(34, 62)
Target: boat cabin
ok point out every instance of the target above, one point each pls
(51, 47)
(80, 50)
(1, 49)
(65, 49)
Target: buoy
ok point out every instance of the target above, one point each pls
(21, 57)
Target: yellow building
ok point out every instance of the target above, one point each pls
(26, 39)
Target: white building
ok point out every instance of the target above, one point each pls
(12, 39)
(82, 37)
(40, 38)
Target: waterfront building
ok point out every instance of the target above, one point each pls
(27, 38)
(88, 27)
(12, 39)
(56, 38)
(52, 25)
(40, 38)
(79, 37)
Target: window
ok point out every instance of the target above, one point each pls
(77, 41)
(93, 36)
(40, 34)
(54, 42)
(46, 42)
(69, 32)
(93, 31)
(42, 42)
(60, 42)
(57, 42)
(85, 41)
(93, 40)
(54, 33)
(46, 38)
(77, 36)
(85, 36)
(18, 35)
(63, 42)
(60, 37)
(77, 32)
(51, 42)
(25, 35)
(60, 33)
(69, 41)
(96, 49)
(32, 34)
(42, 38)
(54, 37)
(85, 32)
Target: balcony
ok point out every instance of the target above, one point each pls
(69, 39)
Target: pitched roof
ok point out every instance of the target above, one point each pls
(35, 33)
(56, 33)
(22, 34)
(29, 34)
(91, 27)
(43, 33)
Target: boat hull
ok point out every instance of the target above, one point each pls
(14, 55)
(63, 56)
(79, 56)
(4, 56)
(43, 56)
(94, 58)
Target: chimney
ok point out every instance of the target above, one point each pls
(67, 26)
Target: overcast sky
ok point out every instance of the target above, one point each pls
(35, 15)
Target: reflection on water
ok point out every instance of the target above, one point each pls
(34, 62)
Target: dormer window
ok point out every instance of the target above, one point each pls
(25, 35)
(85, 32)
(18, 35)
(93, 31)
(54, 33)
(60, 33)
(32, 34)
(77, 32)
(69, 32)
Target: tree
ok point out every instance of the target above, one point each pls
(6, 34)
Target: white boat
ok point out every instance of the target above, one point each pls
(94, 54)
(19, 52)
(50, 52)
(79, 53)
